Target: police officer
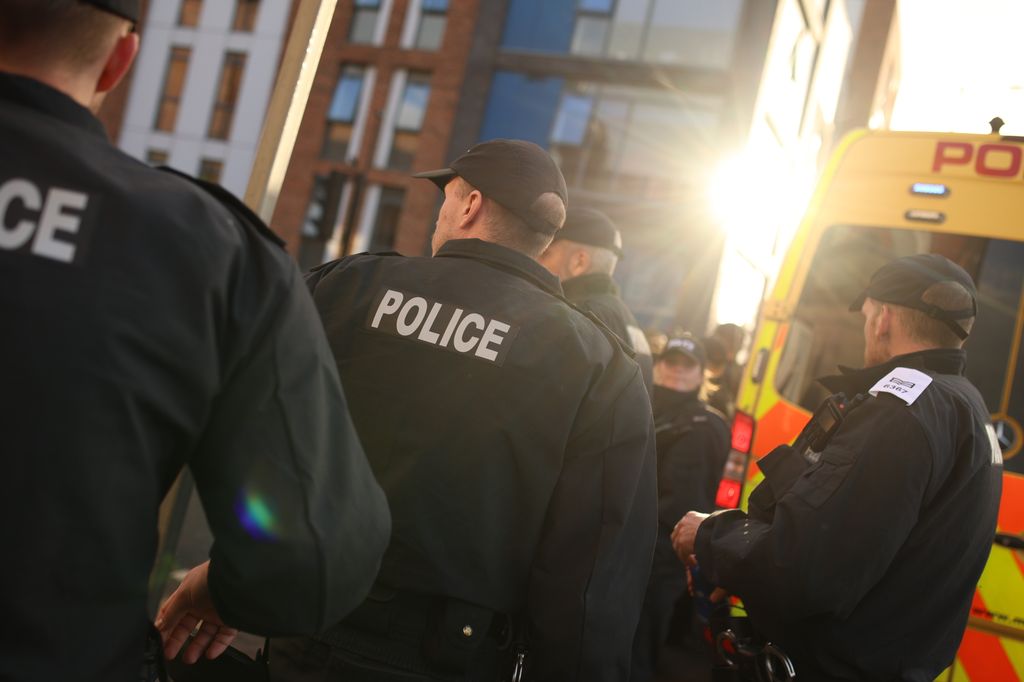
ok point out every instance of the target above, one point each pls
(866, 540)
(148, 327)
(692, 445)
(583, 255)
(512, 436)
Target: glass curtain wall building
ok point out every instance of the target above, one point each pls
(629, 96)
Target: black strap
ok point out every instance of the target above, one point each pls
(153, 662)
(950, 317)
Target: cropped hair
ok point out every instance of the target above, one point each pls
(509, 230)
(66, 32)
(936, 333)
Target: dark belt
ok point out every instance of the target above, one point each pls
(420, 633)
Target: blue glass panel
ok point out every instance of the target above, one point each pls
(545, 25)
(346, 96)
(414, 106)
(521, 107)
(571, 122)
(435, 5)
(596, 5)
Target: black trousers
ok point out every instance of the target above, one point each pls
(400, 638)
(668, 614)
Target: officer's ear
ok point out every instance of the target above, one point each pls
(884, 320)
(118, 62)
(470, 209)
(580, 262)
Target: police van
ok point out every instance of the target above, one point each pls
(886, 195)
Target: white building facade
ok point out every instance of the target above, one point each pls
(202, 84)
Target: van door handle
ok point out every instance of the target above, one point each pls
(1010, 541)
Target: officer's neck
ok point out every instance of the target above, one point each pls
(77, 85)
(898, 346)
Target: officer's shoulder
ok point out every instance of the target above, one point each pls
(713, 415)
(906, 384)
(365, 260)
(232, 204)
(165, 203)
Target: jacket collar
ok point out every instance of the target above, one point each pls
(593, 284)
(939, 361)
(503, 258)
(33, 94)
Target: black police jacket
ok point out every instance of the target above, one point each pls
(693, 444)
(512, 438)
(867, 568)
(146, 328)
(599, 294)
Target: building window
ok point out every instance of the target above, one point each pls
(571, 121)
(587, 138)
(245, 15)
(174, 84)
(433, 17)
(188, 15)
(210, 170)
(322, 216)
(696, 33)
(385, 227)
(364, 21)
(156, 157)
(409, 121)
(342, 114)
(314, 234)
(609, 139)
(593, 22)
(227, 96)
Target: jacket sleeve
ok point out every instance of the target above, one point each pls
(299, 522)
(589, 576)
(837, 528)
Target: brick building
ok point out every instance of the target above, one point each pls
(382, 105)
(638, 100)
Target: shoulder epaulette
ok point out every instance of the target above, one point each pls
(904, 383)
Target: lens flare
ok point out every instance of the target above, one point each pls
(256, 516)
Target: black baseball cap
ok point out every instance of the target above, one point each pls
(687, 345)
(515, 173)
(128, 9)
(589, 226)
(904, 281)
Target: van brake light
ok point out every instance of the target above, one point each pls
(742, 432)
(728, 496)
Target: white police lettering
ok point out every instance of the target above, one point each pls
(994, 446)
(638, 340)
(442, 325)
(904, 383)
(417, 304)
(462, 344)
(57, 224)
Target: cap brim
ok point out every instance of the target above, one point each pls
(680, 351)
(439, 177)
(858, 302)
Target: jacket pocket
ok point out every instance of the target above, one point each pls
(820, 482)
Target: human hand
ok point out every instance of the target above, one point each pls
(684, 535)
(190, 611)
